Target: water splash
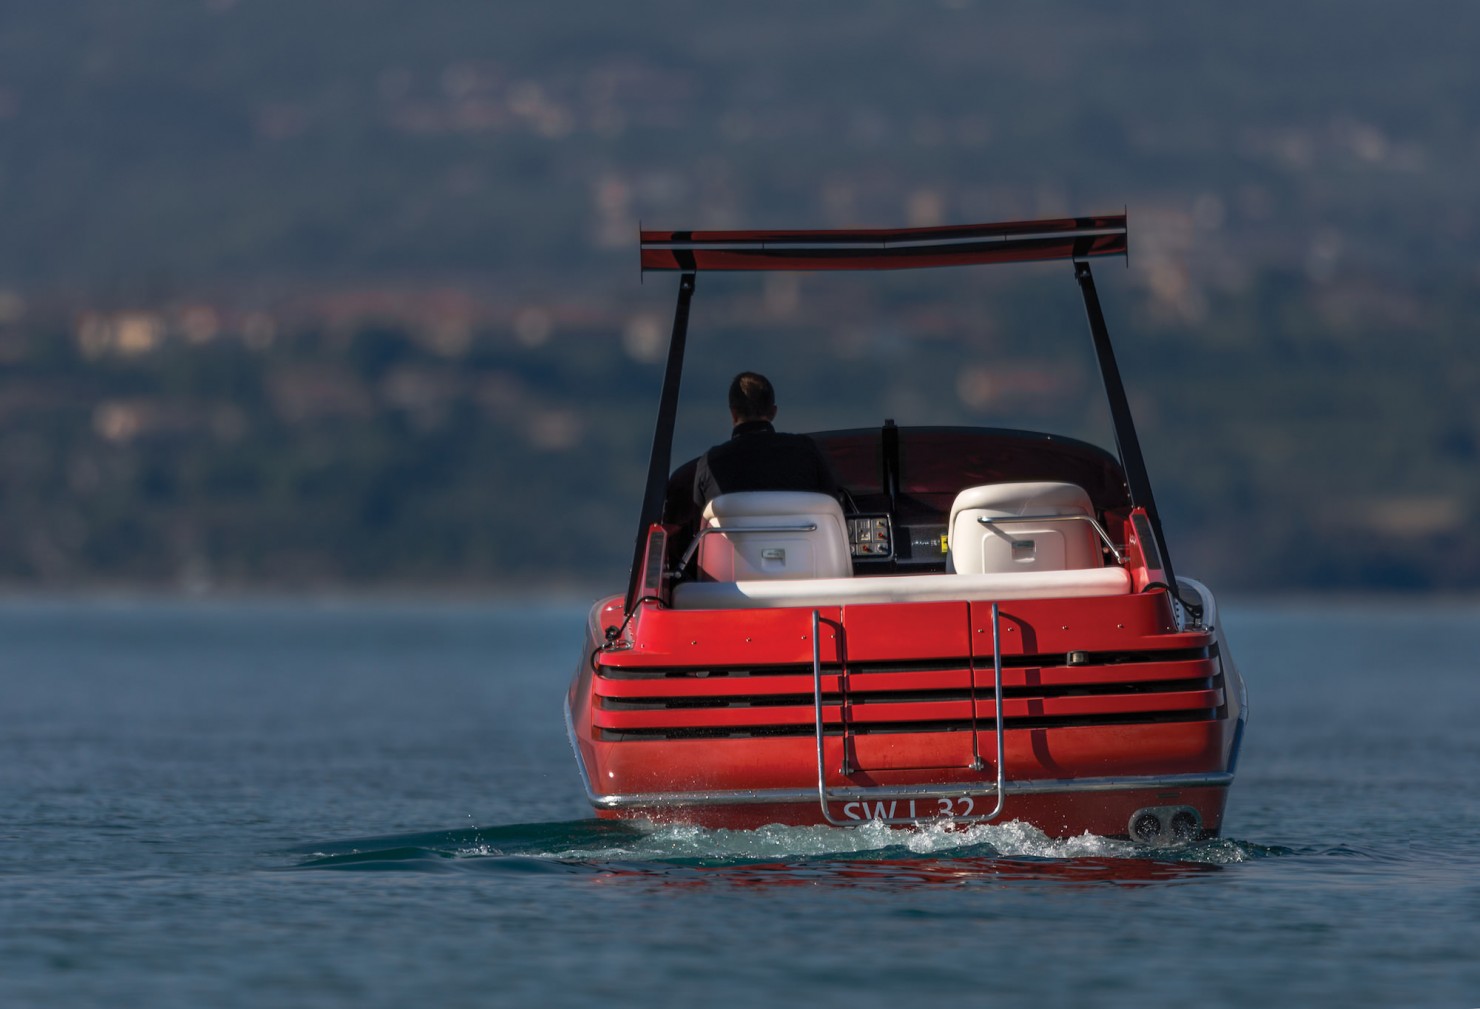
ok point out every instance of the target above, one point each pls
(871, 852)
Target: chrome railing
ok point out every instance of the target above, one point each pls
(826, 797)
(688, 554)
(1104, 536)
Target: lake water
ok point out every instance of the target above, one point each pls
(374, 804)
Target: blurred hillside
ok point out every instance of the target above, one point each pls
(333, 293)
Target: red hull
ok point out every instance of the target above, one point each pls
(1057, 816)
(707, 717)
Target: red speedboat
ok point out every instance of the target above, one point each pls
(990, 631)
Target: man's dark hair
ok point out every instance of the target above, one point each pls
(751, 396)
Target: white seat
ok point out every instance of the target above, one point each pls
(1051, 545)
(798, 535)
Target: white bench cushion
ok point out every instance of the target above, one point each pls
(815, 592)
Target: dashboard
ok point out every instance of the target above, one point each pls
(876, 542)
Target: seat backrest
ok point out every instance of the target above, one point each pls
(797, 535)
(979, 548)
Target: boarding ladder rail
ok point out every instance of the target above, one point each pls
(826, 796)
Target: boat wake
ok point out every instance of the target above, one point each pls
(934, 853)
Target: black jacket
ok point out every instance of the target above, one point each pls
(757, 457)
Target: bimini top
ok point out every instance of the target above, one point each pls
(1078, 238)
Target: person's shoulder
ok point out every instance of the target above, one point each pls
(718, 450)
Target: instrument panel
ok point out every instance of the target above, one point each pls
(871, 537)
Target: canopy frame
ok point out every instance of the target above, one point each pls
(1078, 240)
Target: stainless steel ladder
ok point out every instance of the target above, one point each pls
(879, 794)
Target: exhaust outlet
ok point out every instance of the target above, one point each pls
(1165, 826)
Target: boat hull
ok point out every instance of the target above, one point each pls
(1059, 814)
(721, 767)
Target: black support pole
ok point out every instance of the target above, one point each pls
(660, 461)
(1126, 442)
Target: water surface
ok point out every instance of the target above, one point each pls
(310, 804)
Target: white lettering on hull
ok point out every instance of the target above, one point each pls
(895, 809)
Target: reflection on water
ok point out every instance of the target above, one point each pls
(904, 873)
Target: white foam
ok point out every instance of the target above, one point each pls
(777, 842)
